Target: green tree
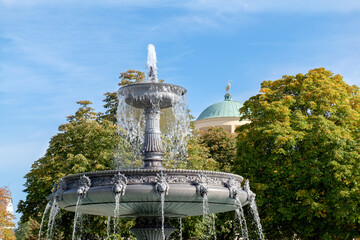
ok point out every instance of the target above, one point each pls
(301, 152)
(83, 144)
(6, 218)
(28, 230)
(222, 147)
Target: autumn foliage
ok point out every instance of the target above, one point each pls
(6, 218)
(301, 152)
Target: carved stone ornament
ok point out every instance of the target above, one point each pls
(233, 187)
(202, 185)
(62, 186)
(120, 182)
(84, 186)
(251, 195)
(139, 176)
(161, 185)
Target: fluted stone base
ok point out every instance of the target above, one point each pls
(149, 228)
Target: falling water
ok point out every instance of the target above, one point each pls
(205, 205)
(48, 205)
(180, 229)
(255, 213)
(116, 211)
(206, 218)
(77, 216)
(108, 227)
(175, 124)
(162, 215)
(241, 218)
(151, 64)
(213, 227)
(131, 122)
(53, 212)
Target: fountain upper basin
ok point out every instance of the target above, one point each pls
(142, 199)
(144, 95)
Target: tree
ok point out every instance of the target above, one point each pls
(301, 152)
(83, 144)
(28, 230)
(6, 218)
(222, 146)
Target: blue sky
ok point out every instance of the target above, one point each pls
(54, 53)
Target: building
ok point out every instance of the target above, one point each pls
(223, 114)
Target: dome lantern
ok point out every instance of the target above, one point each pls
(224, 114)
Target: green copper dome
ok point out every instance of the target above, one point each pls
(226, 108)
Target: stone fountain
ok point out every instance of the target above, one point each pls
(151, 194)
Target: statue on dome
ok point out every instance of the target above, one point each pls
(228, 87)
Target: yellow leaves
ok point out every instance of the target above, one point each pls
(276, 171)
(321, 213)
(344, 193)
(347, 182)
(99, 167)
(300, 194)
(6, 218)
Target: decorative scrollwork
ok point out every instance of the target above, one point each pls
(233, 187)
(84, 186)
(61, 187)
(202, 185)
(120, 182)
(161, 185)
(57, 191)
(251, 195)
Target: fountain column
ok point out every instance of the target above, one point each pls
(152, 148)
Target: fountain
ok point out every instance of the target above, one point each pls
(151, 194)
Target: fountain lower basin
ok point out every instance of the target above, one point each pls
(141, 198)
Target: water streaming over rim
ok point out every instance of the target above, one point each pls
(207, 221)
(77, 216)
(108, 227)
(239, 213)
(213, 226)
(162, 215)
(53, 212)
(180, 229)
(116, 211)
(47, 208)
(255, 213)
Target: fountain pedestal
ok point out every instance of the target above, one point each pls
(151, 228)
(152, 148)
